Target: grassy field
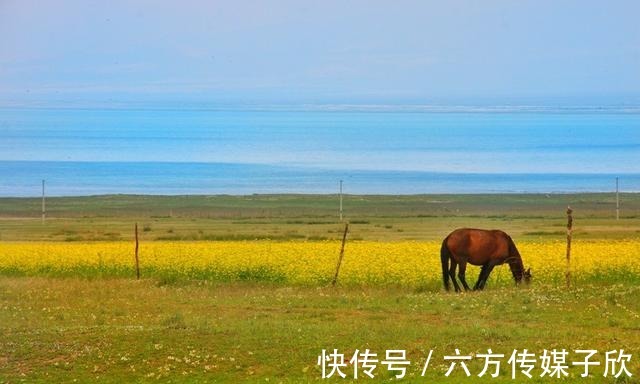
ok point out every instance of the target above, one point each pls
(315, 217)
(235, 289)
(122, 330)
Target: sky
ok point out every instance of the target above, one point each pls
(241, 52)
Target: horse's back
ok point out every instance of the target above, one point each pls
(478, 245)
(475, 234)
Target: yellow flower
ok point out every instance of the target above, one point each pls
(406, 263)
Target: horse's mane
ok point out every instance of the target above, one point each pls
(515, 261)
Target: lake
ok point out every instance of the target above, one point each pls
(165, 151)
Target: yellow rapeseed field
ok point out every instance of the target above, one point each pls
(413, 264)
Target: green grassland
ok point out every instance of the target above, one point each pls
(114, 330)
(300, 217)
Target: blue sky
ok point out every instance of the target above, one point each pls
(320, 52)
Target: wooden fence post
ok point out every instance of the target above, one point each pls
(344, 240)
(137, 261)
(569, 233)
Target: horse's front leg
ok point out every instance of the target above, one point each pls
(461, 275)
(486, 275)
(483, 270)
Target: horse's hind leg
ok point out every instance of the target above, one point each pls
(452, 274)
(461, 275)
(480, 277)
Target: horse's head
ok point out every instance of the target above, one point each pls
(526, 276)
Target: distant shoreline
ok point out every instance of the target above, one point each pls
(325, 195)
(24, 179)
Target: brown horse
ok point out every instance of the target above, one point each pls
(479, 247)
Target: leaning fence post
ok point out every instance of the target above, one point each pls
(344, 240)
(569, 233)
(137, 261)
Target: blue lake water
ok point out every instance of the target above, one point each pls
(96, 151)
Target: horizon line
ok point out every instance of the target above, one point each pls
(330, 107)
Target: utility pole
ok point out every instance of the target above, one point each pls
(43, 203)
(340, 200)
(617, 201)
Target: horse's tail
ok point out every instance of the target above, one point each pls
(445, 255)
